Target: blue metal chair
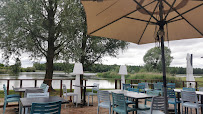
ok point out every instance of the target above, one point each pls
(188, 89)
(104, 100)
(119, 104)
(141, 87)
(157, 106)
(153, 93)
(171, 85)
(159, 88)
(172, 99)
(9, 98)
(44, 108)
(126, 86)
(133, 89)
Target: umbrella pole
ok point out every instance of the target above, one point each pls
(161, 29)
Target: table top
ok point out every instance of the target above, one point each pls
(24, 88)
(84, 86)
(27, 102)
(131, 94)
(197, 92)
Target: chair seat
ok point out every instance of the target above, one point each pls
(13, 95)
(148, 112)
(90, 93)
(104, 104)
(143, 107)
(70, 94)
(13, 99)
(120, 109)
(172, 101)
(191, 105)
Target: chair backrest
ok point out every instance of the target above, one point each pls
(126, 86)
(160, 83)
(119, 100)
(103, 96)
(45, 87)
(30, 91)
(171, 85)
(5, 91)
(96, 88)
(35, 95)
(141, 86)
(157, 104)
(64, 88)
(43, 108)
(158, 86)
(200, 88)
(153, 93)
(171, 94)
(133, 89)
(42, 85)
(188, 89)
(189, 96)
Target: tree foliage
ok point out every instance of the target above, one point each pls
(153, 58)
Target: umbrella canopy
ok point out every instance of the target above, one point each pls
(145, 21)
(189, 70)
(127, 20)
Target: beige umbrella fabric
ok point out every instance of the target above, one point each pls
(125, 20)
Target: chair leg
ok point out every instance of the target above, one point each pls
(65, 99)
(109, 110)
(88, 100)
(4, 109)
(98, 110)
(76, 100)
(92, 99)
(197, 110)
(175, 108)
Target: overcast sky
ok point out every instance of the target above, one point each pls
(134, 54)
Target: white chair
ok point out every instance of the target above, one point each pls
(200, 89)
(96, 88)
(157, 106)
(103, 100)
(45, 87)
(189, 100)
(66, 94)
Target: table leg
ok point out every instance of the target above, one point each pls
(136, 105)
(178, 103)
(202, 103)
(84, 96)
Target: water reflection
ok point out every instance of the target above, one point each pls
(104, 84)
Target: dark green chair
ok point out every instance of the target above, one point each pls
(119, 104)
(44, 108)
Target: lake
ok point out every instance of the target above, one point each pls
(103, 84)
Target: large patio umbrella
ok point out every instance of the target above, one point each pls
(145, 21)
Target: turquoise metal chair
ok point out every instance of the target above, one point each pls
(126, 86)
(188, 89)
(103, 100)
(119, 104)
(9, 98)
(172, 99)
(133, 90)
(157, 106)
(171, 85)
(153, 93)
(159, 88)
(141, 87)
(46, 108)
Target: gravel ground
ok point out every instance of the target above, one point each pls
(71, 109)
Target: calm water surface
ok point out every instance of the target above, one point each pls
(105, 84)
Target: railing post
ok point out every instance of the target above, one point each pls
(120, 84)
(21, 83)
(85, 82)
(8, 83)
(71, 83)
(152, 85)
(183, 84)
(196, 85)
(115, 84)
(61, 88)
(35, 83)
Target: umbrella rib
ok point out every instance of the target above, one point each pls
(169, 10)
(145, 10)
(184, 18)
(175, 20)
(147, 23)
(141, 20)
(184, 12)
(120, 18)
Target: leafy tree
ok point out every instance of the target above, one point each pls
(15, 69)
(42, 28)
(91, 49)
(153, 58)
